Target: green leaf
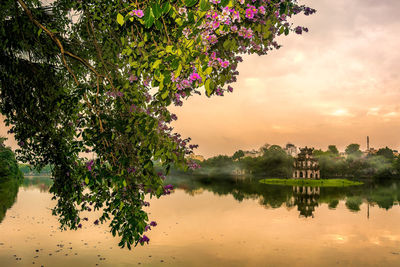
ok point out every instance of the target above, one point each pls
(124, 183)
(227, 44)
(87, 180)
(156, 63)
(165, 8)
(39, 31)
(169, 48)
(157, 10)
(190, 3)
(208, 86)
(165, 94)
(120, 19)
(148, 17)
(178, 71)
(208, 70)
(224, 3)
(204, 5)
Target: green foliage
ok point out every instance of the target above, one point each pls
(8, 165)
(353, 150)
(386, 152)
(273, 163)
(238, 154)
(78, 77)
(10, 178)
(333, 149)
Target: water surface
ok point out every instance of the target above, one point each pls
(216, 222)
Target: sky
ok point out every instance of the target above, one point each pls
(336, 84)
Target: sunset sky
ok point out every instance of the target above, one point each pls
(334, 85)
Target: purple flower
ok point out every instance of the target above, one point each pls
(80, 225)
(89, 165)
(132, 78)
(169, 187)
(96, 222)
(298, 30)
(230, 89)
(153, 223)
(143, 239)
(147, 227)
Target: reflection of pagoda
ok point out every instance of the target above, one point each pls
(305, 165)
(306, 199)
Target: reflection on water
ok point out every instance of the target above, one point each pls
(8, 194)
(306, 199)
(217, 222)
(385, 194)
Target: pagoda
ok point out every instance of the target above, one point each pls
(305, 165)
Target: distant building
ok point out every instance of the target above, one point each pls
(291, 150)
(196, 157)
(305, 165)
(370, 151)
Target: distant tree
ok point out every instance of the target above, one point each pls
(353, 150)
(396, 165)
(333, 149)
(386, 152)
(264, 148)
(238, 154)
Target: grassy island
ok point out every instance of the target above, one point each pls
(305, 182)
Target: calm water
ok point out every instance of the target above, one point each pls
(215, 222)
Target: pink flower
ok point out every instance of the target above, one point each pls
(224, 64)
(139, 13)
(194, 76)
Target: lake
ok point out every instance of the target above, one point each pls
(215, 221)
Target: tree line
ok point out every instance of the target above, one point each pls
(273, 161)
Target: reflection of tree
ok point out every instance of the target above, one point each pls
(8, 195)
(41, 182)
(384, 195)
(10, 178)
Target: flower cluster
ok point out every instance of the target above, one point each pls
(115, 94)
(137, 12)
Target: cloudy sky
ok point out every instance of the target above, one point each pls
(335, 85)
